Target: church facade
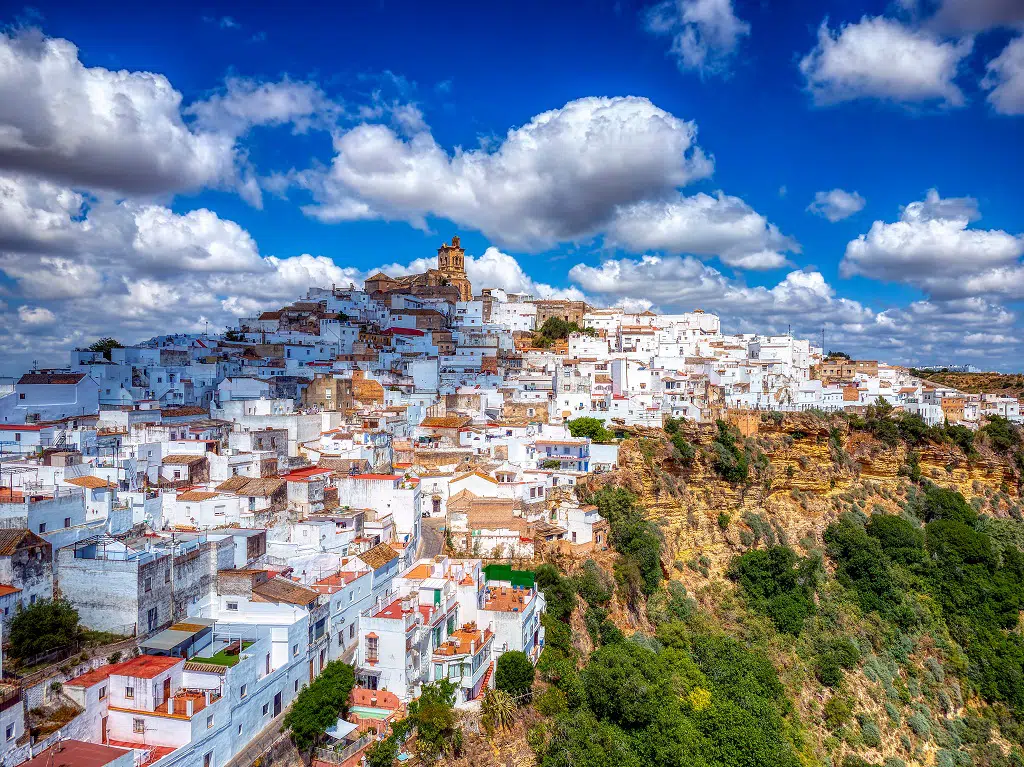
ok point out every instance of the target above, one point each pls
(448, 280)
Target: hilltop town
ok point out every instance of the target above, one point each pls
(375, 475)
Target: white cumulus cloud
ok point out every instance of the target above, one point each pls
(702, 225)
(932, 247)
(98, 128)
(880, 58)
(36, 315)
(560, 177)
(1005, 79)
(836, 204)
(705, 33)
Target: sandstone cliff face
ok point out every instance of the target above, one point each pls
(804, 485)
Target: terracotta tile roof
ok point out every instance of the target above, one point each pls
(6, 589)
(90, 482)
(233, 484)
(302, 475)
(477, 474)
(145, 667)
(51, 378)
(445, 422)
(283, 590)
(16, 538)
(76, 753)
(176, 412)
(185, 460)
(378, 556)
(197, 495)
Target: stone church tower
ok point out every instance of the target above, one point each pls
(451, 263)
(448, 281)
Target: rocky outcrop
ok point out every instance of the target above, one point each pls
(808, 476)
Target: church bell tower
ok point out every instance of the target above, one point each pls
(451, 258)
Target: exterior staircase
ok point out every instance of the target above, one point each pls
(486, 681)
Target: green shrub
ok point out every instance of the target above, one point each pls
(893, 713)
(919, 724)
(728, 460)
(837, 711)
(551, 702)
(514, 673)
(870, 734)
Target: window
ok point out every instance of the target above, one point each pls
(208, 760)
(240, 726)
(232, 606)
(148, 584)
(209, 722)
(67, 521)
(352, 631)
(103, 692)
(17, 436)
(371, 649)
(42, 527)
(129, 692)
(21, 395)
(295, 651)
(167, 575)
(243, 691)
(138, 725)
(296, 685)
(266, 709)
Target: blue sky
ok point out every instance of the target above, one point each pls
(644, 154)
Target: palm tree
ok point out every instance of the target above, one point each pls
(498, 711)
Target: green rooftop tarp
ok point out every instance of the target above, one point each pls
(522, 578)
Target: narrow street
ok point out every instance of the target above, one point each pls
(432, 538)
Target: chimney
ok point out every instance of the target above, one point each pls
(170, 705)
(188, 707)
(206, 694)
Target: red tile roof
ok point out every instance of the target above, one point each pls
(76, 753)
(403, 332)
(6, 589)
(146, 666)
(303, 474)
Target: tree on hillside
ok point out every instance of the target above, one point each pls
(105, 345)
(591, 428)
(514, 673)
(318, 706)
(44, 626)
(433, 717)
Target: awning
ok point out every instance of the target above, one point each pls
(340, 729)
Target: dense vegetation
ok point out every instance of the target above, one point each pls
(514, 674)
(47, 625)
(557, 329)
(105, 345)
(638, 570)
(433, 721)
(591, 428)
(778, 584)
(685, 698)
(318, 705)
